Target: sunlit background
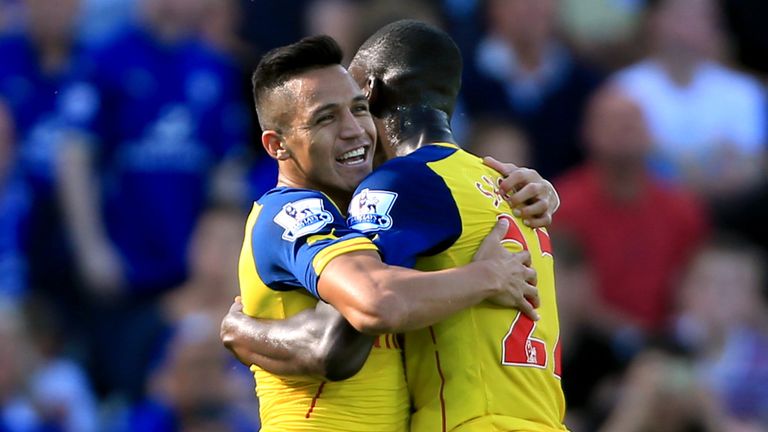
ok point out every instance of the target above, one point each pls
(129, 155)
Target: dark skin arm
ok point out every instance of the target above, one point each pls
(317, 342)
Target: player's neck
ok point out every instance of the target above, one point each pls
(339, 197)
(415, 127)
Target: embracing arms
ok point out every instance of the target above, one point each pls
(322, 342)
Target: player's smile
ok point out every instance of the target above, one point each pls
(356, 156)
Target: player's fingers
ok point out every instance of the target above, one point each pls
(502, 168)
(519, 178)
(527, 309)
(530, 276)
(513, 181)
(534, 209)
(490, 248)
(499, 231)
(524, 257)
(238, 299)
(531, 293)
(543, 221)
(527, 193)
(237, 306)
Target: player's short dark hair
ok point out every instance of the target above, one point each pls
(283, 63)
(418, 62)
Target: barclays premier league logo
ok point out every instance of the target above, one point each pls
(302, 217)
(369, 210)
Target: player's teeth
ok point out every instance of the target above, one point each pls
(353, 153)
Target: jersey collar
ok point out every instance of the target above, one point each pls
(445, 144)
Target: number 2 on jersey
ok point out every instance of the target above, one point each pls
(520, 347)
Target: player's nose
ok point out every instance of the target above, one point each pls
(350, 126)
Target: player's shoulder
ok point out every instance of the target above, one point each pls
(293, 213)
(409, 169)
(422, 156)
(403, 184)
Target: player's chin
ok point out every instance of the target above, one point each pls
(354, 172)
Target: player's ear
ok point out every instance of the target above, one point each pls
(372, 91)
(274, 144)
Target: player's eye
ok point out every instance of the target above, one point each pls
(361, 108)
(324, 119)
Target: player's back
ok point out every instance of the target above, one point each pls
(486, 368)
(375, 399)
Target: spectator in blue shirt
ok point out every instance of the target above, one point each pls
(150, 120)
(36, 62)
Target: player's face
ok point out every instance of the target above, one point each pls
(331, 138)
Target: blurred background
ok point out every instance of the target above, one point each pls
(130, 154)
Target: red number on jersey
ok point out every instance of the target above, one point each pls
(513, 234)
(520, 347)
(544, 242)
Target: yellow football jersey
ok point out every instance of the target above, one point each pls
(486, 368)
(291, 234)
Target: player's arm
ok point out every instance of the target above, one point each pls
(316, 342)
(379, 298)
(532, 197)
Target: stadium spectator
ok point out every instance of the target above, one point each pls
(213, 254)
(192, 390)
(659, 393)
(728, 330)
(14, 209)
(603, 31)
(585, 380)
(338, 19)
(17, 410)
(523, 72)
(500, 139)
(637, 232)
(708, 122)
(36, 64)
(149, 122)
(58, 386)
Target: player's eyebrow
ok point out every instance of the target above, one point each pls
(322, 108)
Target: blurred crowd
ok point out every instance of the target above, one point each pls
(130, 154)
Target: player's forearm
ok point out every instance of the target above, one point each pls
(315, 343)
(421, 299)
(376, 298)
(276, 346)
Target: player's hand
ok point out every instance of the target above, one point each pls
(533, 198)
(228, 330)
(515, 279)
(237, 306)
